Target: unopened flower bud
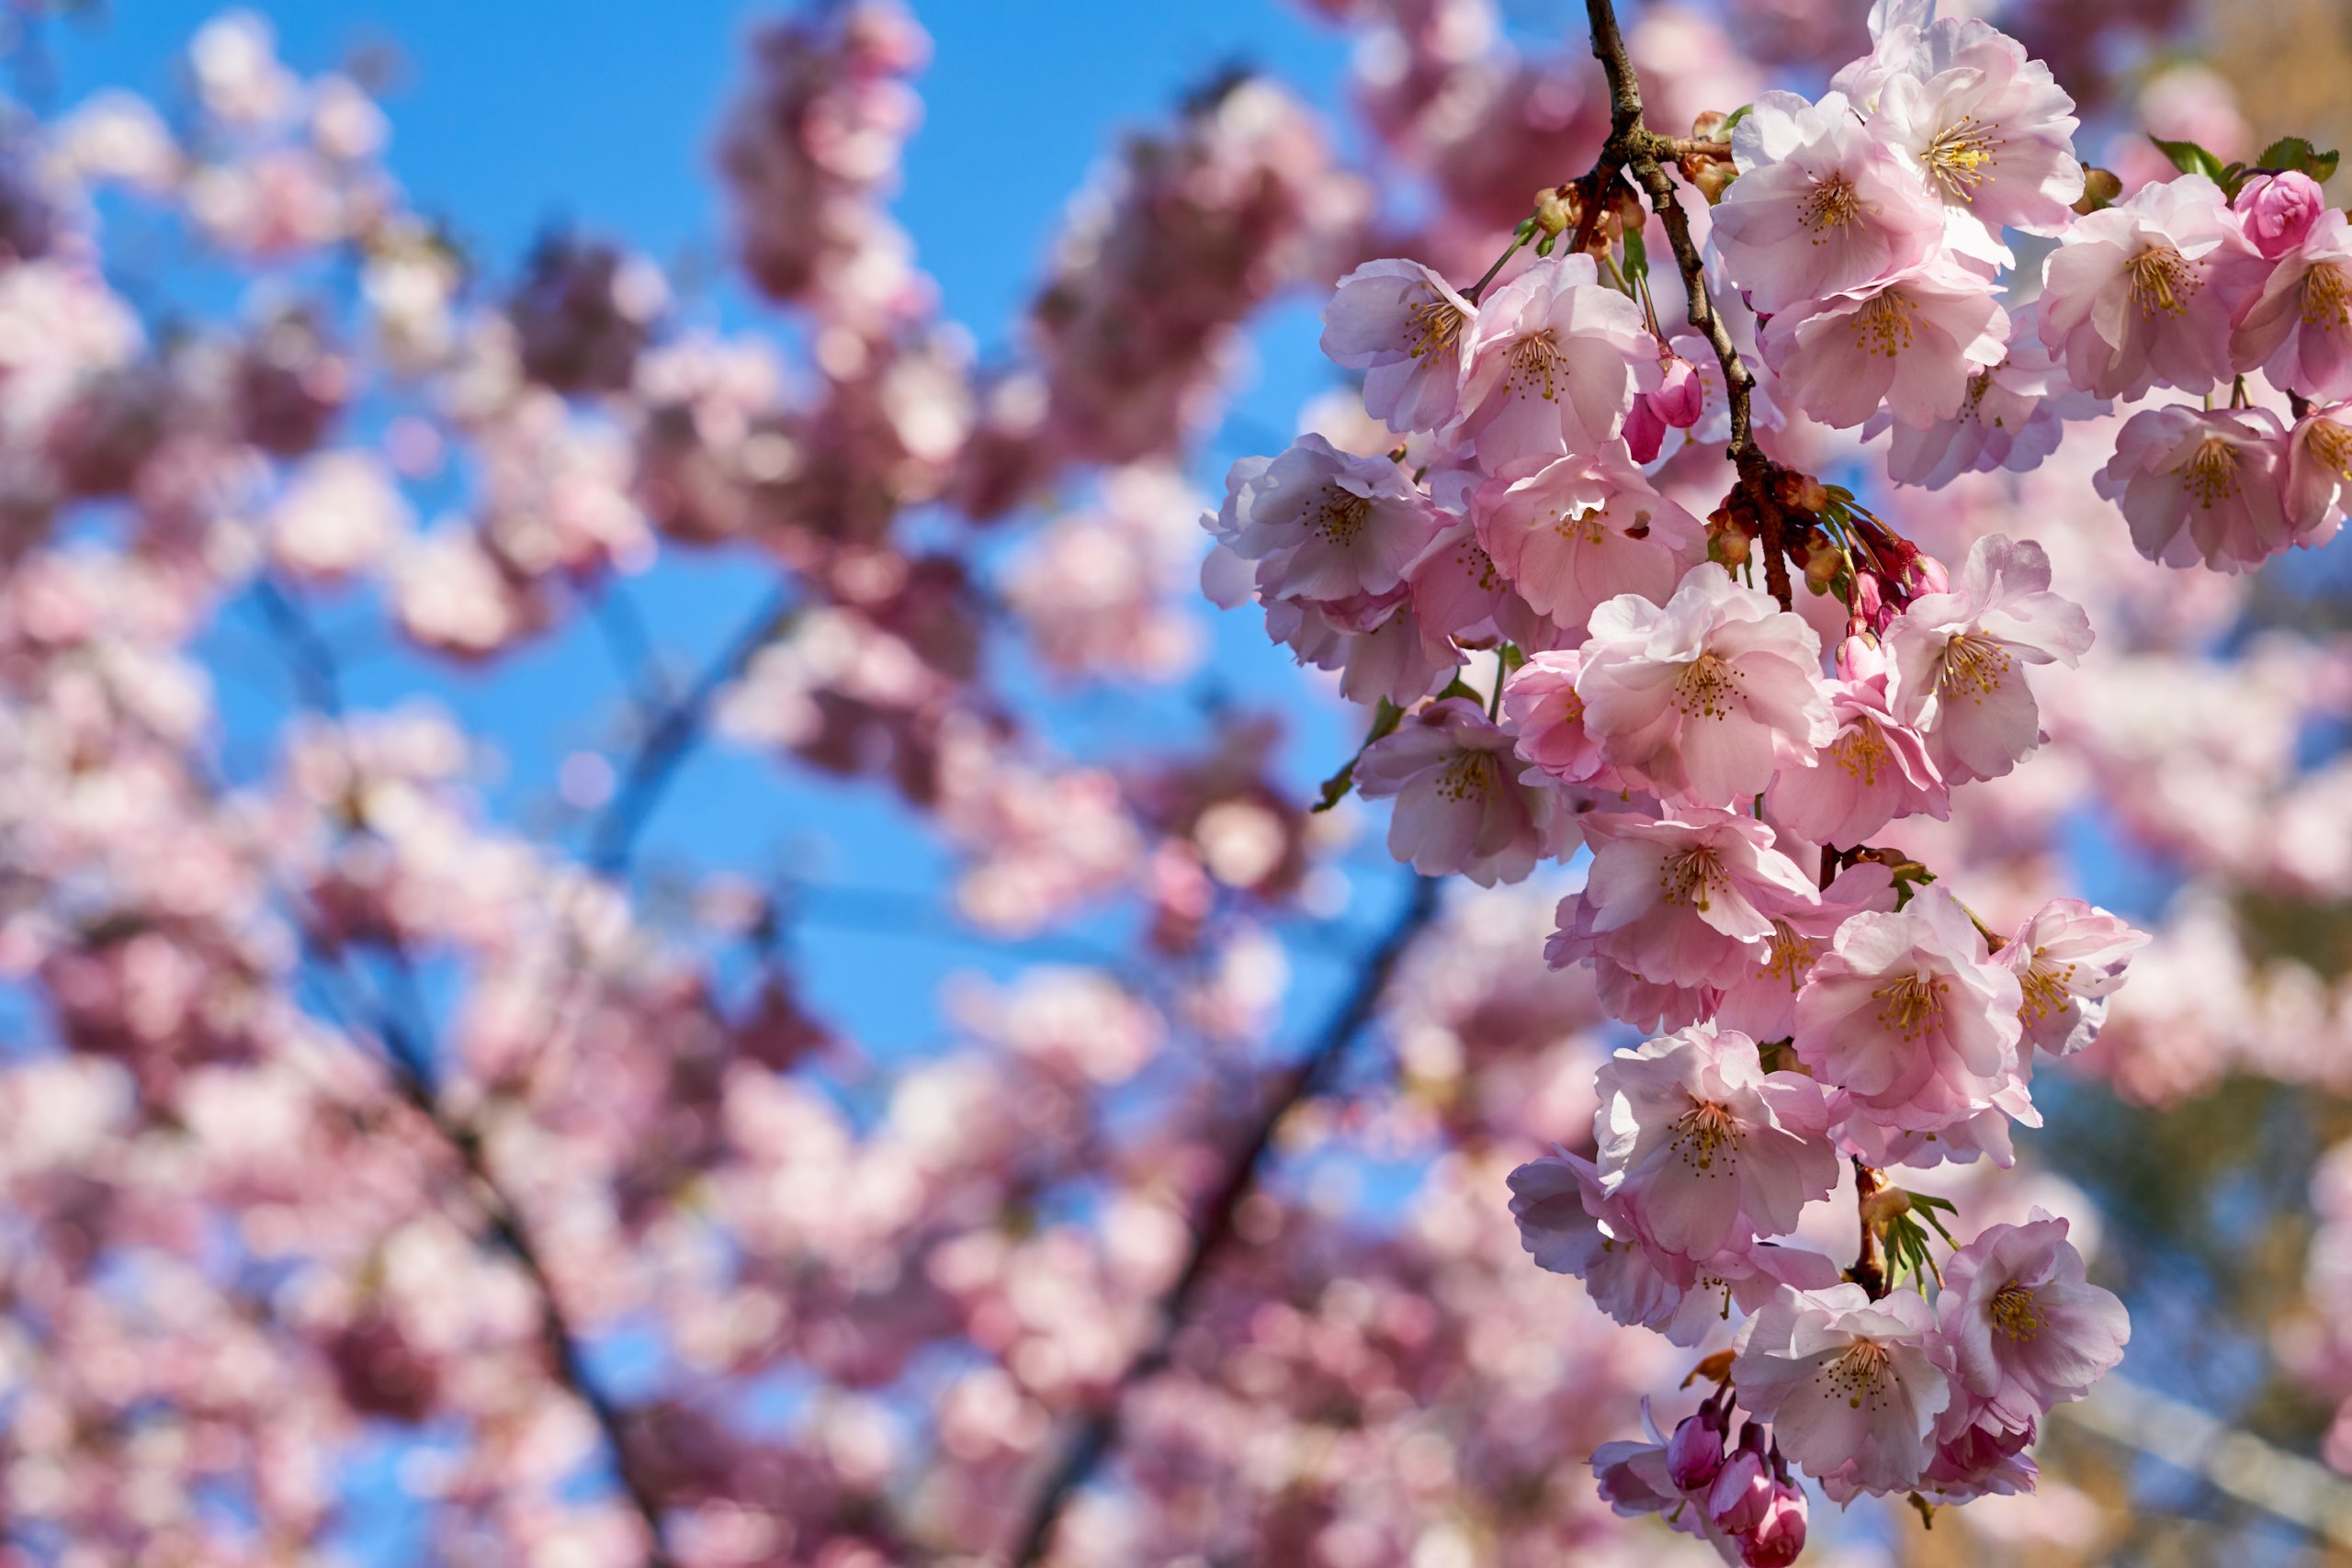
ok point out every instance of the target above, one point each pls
(1680, 397)
(2278, 211)
(1625, 206)
(2101, 188)
(1695, 1453)
(1743, 1488)
(1709, 123)
(1710, 176)
(1801, 490)
(1777, 1539)
(1556, 209)
(1824, 561)
(1645, 430)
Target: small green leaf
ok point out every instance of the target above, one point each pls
(1723, 132)
(2189, 158)
(1457, 687)
(1336, 787)
(1384, 720)
(1637, 256)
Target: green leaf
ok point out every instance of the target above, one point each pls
(1514, 656)
(1637, 256)
(1457, 687)
(1384, 720)
(1723, 132)
(2189, 158)
(2320, 165)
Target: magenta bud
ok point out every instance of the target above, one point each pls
(1695, 1453)
(1742, 1489)
(1859, 657)
(1777, 1537)
(2277, 210)
(1923, 574)
(1680, 397)
(1644, 431)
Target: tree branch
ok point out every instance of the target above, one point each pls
(1098, 1434)
(1637, 150)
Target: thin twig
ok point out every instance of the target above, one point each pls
(1098, 1432)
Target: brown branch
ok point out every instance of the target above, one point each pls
(1098, 1433)
(1644, 154)
(1870, 1263)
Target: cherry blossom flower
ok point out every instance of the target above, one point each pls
(2013, 417)
(1683, 901)
(1848, 1383)
(1460, 803)
(1573, 532)
(2144, 291)
(1980, 1457)
(2277, 210)
(2069, 958)
(1322, 524)
(1459, 591)
(1991, 132)
(1762, 1003)
(1875, 771)
(1708, 1149)
(1377, 642)
(1956, 657)
(1569, 1224)
(2297, 330)
(1823, 204)
(1401, 324)
(1552, 364)
(1912, 341)
(2025, 1331)
(1545, 715)
(1704, 699)
(2319, 472)
(1909, 1015)
(2199, 485)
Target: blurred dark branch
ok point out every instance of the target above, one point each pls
(673, 736)
(410, 1054)
(1098, 1433)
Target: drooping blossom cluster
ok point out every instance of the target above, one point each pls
(1570, 665)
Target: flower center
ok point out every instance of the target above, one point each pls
(1791, 957)
(2016, 1313)
(1471, 775)
(1862, 1372)
(1705, 1131)
(1961, 157)
(1884, 324)
(1693, 877)
(1973, 662)
(2047, 988)
(2212, 472)
(2163, 281)
(2327, 298)
(1341, 516)
(1706, 688)
(1587, 524)
(1438, 328)
(1861, 751)
(2331, 442)
(1537, 358)
(1830, 203)
(1914, 1005)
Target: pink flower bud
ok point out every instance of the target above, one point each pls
(1680, 397)
(1743, 1488)
(2278, 211)
(1695, 1453)
(1645, 430)
(1779, 1536)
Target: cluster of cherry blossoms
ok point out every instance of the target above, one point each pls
(1569, 664)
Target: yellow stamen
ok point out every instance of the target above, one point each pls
(1882, 325)
(1535, 359)
(1914, 1005)
(1472, 775)
(1341, 516)
(1707, 687)
(2327, 298)
(1973, 662)
(1693, 877)
(2212, 472)
(1830, 203)
(2047, 988)
(2016, 1313)
(1703, 1131)
(2164, 281)
(1961, 158)
(1860, 1373)
(1861, 751)
(1439, 325)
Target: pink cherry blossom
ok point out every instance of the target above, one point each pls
(1552, 364)
(1683, 901)
(1762, 1003)
(2013, 417)
(1980, 1457)
(2277, 210)
(1912, 341)
(2069, 958)
(1377, 642)
(1991, 132)
(2144, 291)
(1542, 710)
(1848, 1383)
(1573, 532)
(2319, 472)
(1458, 590)
(1569, 1224)
(1708, 1150)
(1875, 771)
(1703, 699)
(1909, 1015)
(2297, 330)
(1957, 654)
(1322, 524)
(2024, 1330)
(1402, 325)
(1460, 803)
(2201, 486)
(1823, 204)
